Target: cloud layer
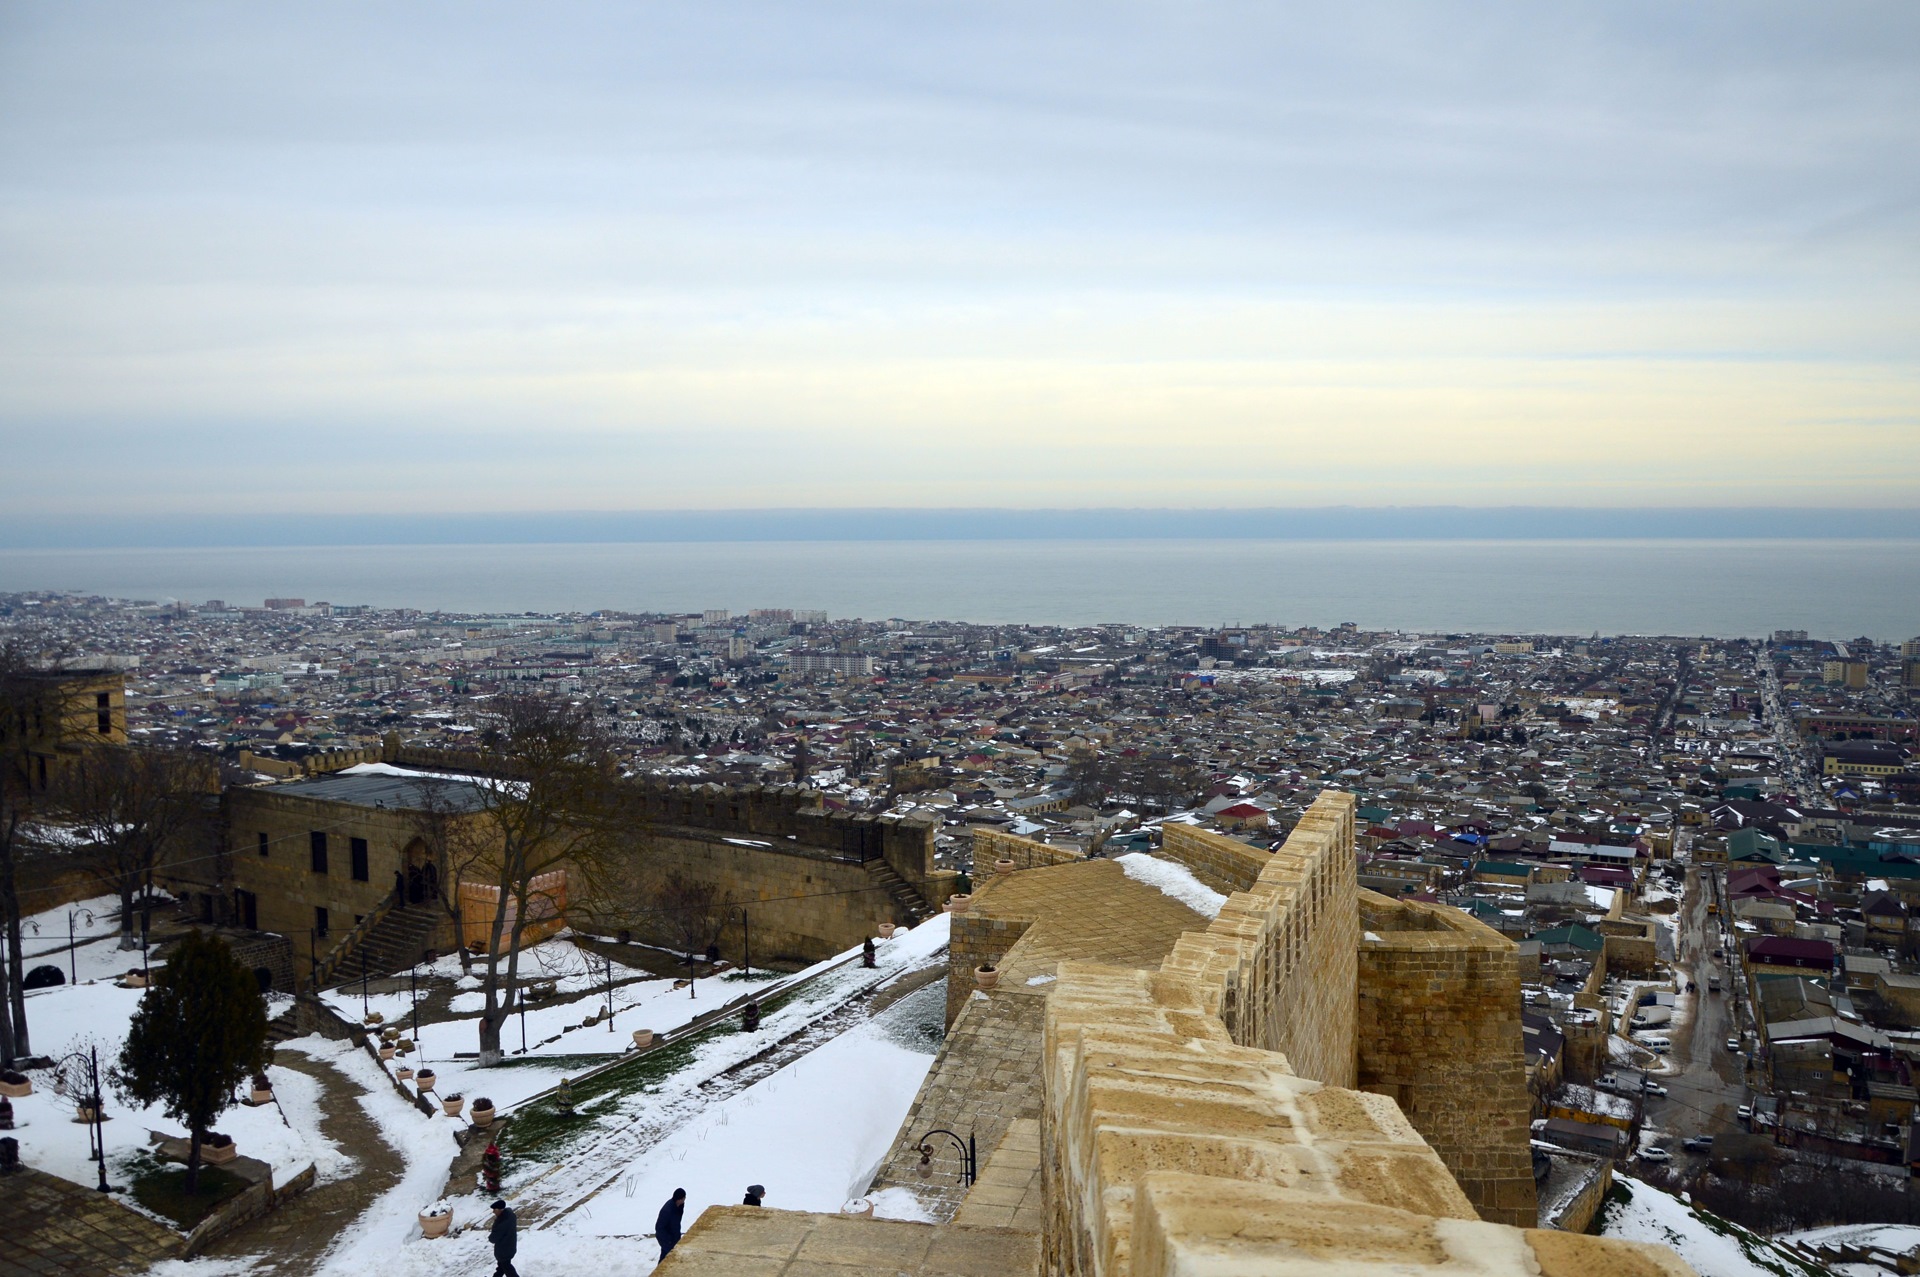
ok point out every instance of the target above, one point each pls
(378, 258)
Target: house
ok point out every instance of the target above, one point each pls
(1885, 916)
(1788, 955)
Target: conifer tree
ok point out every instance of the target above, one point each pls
(199, 1032)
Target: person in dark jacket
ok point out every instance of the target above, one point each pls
(754, 1193)
(666, 1228)
(505, 1236)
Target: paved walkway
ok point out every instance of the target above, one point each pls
(52, 1226)
(291, 1240)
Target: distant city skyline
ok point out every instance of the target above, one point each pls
(420, 259)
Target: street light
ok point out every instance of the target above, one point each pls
(969, 1158)
(73, 964)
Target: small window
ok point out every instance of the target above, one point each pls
(320, 921)
(103, 723)
(260, 843)
(317, 842)
(357, 847)
(102, 701)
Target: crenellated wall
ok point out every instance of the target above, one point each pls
(1225, 864)
(1179, 1137)
(1278, 964)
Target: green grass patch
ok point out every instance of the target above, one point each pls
(161, 1187)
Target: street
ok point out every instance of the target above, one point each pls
(1708, 1082)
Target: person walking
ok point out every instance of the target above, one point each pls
(754, 1193)
(666, 1228)
(505, 1236)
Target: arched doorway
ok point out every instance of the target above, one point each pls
(421, 877)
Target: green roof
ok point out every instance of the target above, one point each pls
(1574, 936)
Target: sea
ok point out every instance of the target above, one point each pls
(1830, 588)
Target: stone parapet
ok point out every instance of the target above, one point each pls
(1225, 864)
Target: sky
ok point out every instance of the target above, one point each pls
(416, 258)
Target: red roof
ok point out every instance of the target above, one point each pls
(1242, 811)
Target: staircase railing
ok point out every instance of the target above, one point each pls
(325, 969)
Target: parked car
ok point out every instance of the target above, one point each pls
(1655, 1155)
(1744, 1112)
(1698, 1143)
(1733, 1044)
(1653, 1088)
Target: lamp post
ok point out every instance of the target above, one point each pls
(73, 962)
(746, 943)
(969, 1158)
(609, 958)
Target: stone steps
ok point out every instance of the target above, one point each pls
(908, 904)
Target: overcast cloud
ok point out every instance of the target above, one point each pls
(343, 258)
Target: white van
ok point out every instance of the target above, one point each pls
(1658, 1045)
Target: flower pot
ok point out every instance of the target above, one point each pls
(451, 1106)
(1003, 866)
(436, 1225)
(642, 1038)
(133, 980)
(263, 1095)
(404, 1073)
(85, 1112)
(423, 1082)
(858, 1208)
(386, 1051)
(482, 1117)
(217, 1156)
(985, 977)
(886, 931)
(17, 1090)
(958, 904)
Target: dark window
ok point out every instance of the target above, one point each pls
(104, 722)
(102, 701)
(358, 848)
(318, 842)
(261, 844)
(320, 920)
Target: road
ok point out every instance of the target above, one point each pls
(1708, 1081)
(1792, 761)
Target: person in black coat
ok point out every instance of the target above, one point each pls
(754, 1193)
(505, 1236)
(666, 1228)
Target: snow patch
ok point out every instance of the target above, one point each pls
(1174, 880)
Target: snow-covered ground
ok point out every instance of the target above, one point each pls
(812, 1133)
(96, 954)
(70, 1018)
(1713, 1246)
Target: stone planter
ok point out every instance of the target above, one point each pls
(17, 1090)
(85, 1113)
(424, 1080)
(482, 1117)
(452, 1105)
(1003, 866)
(886, 931)
(263, 1095)
(858, 1208)
(958, 904)
(404, 1073)
(642, 1039)
(386, 1050)
(985, 977)
(436, 1225)
(218, 1156)
(134, 980)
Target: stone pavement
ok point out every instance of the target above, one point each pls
(1008, 1194)
(55, 1228)
(290, 1241)
(748, 1241)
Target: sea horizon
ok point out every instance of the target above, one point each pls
(1675, 586)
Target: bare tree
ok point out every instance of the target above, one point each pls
(551, 806)
(133, 806)
(691, 912)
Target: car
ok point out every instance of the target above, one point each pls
(1744, 1112)
(1733, 1044)
(1698, 1143)
(1653, 1088)
(1655, 1155)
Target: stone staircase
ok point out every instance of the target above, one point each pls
(907, 904)
(398, 940)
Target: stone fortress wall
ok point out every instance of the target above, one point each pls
(1175, 1139)
(1439, 1033)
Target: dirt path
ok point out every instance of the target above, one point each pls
(292, 1239)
